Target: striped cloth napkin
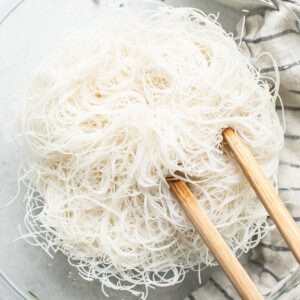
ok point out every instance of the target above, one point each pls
(271, 265)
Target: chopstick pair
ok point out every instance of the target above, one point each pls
(210, 235)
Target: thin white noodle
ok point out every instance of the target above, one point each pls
(122, 107)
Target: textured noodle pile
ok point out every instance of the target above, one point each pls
(121, 108)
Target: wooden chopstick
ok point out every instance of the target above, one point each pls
(214, 241)
(210, 235)
(265, 191)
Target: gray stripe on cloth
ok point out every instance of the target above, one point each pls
(285, 163)
(271, 36)
(219, 287)
(292, 136)
(295, 189)
(281, 68)
(294, 92)
(264, 269)
(275, 248)
(287, 107)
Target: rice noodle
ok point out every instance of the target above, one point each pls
(122, 107)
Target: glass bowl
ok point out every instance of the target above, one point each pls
(29, 31)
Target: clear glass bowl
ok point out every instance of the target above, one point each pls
(29, 31)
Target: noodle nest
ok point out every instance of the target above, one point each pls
(135, 100)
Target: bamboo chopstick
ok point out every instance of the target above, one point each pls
(265, 191)
(214, 241)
